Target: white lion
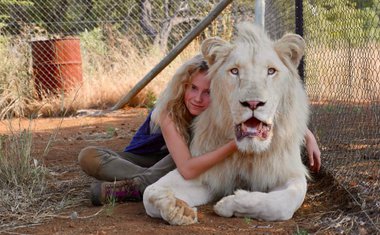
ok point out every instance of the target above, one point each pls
(258, 99)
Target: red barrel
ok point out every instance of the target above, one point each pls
(57, 65)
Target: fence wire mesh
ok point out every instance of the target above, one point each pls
(342, 79)
(341, 74)
(342, 67)
(105, 47)
(57, 46)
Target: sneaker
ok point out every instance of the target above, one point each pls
(117, 191)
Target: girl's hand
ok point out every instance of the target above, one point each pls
(313, 152)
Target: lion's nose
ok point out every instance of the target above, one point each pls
(252, 104)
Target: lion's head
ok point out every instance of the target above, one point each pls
(258, 77)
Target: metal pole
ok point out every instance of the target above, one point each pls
(299, 31)
(173, 54)
(260, 13)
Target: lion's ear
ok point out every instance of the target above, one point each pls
(291, 46)
(215, 48)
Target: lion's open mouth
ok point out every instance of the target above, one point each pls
(252, 128)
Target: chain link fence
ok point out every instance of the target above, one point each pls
(91, 52)
(342, 79)
(99, 49)
(341, 72)
(342, 67)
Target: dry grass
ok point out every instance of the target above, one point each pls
(15, 85)
(106, 81)
(25, 195)
(29, 192)
(108, 74)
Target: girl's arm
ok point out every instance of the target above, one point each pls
(188, 166)
(313, 151)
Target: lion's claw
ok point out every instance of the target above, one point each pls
(180, 214)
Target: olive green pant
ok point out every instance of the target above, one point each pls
(107, 165)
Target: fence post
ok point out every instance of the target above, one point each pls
(260, 13)
(299, 30)
(173, 54)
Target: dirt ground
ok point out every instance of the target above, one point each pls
(322, 212)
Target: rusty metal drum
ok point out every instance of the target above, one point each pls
(57, 65)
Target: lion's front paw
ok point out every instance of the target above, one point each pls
(180, 214)
(225, 206)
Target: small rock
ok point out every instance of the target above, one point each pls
(74, 215)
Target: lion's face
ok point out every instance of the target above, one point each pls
(253, 77)
(257, 81)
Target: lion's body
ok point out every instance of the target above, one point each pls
(265, 178)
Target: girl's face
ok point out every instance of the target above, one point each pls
(197, 94)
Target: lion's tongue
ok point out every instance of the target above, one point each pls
(252, 123)
(250, 128)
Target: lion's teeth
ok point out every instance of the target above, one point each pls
(244, 127)
(251, 130)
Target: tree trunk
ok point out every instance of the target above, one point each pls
(146, 19)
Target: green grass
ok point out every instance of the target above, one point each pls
(111, 131)
(300, 231)
(247, 220)
(151, 99)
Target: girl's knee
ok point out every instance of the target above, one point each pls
(89, 160)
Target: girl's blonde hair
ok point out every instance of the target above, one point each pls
(171, 101)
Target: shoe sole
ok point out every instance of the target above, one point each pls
(95, 190)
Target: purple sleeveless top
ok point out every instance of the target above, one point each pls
(145, 142)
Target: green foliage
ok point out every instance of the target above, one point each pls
(15, 2)
(5, 7)
(346, 21)
(93, 41)
(353, 21)
(151, 99)
(300, 232)
(330, 108)
(111, 131)
(247, 220)
(112, 9)
(110, 206)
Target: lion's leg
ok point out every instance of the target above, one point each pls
(278, 204)
(173, 198)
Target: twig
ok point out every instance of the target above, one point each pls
(17, 227)
(77, 217)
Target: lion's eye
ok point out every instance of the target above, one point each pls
(271, 71)
(235, 71)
